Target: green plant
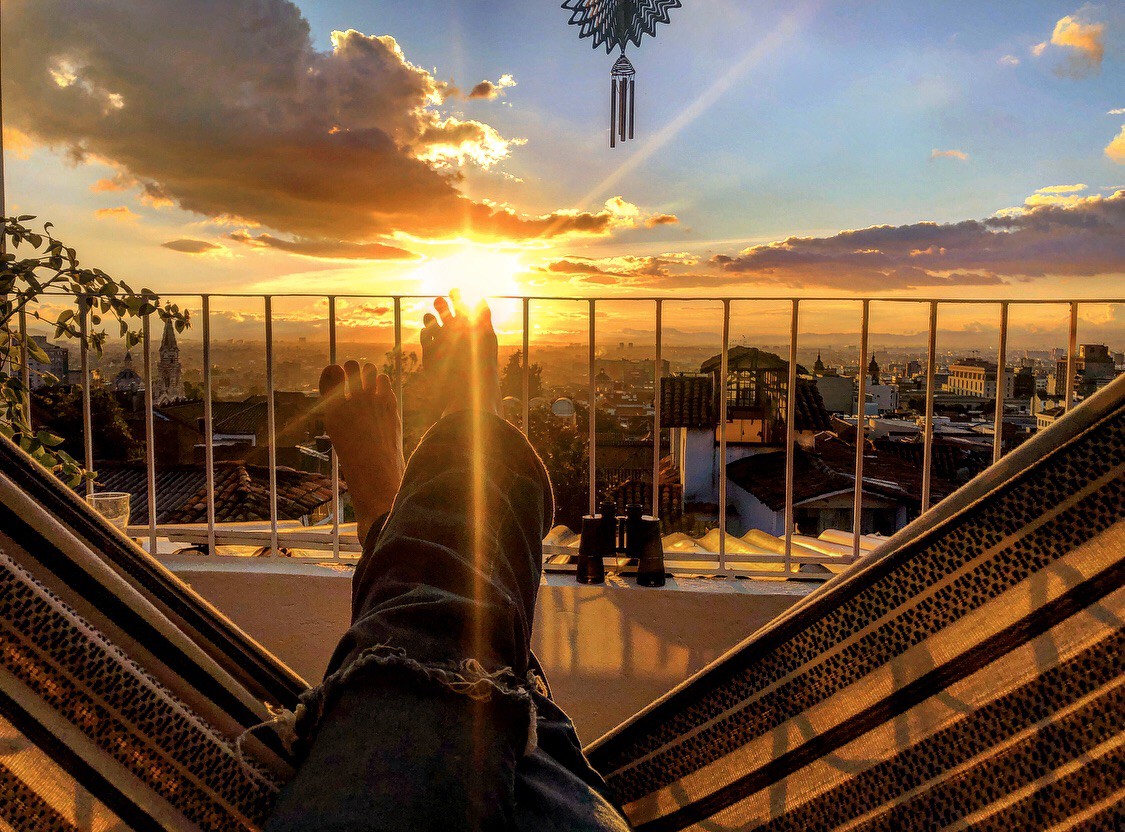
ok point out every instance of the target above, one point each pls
(53, 274)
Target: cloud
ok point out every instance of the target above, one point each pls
(1069, 195)
(1061, 189)
(18, 143)
(187, 246)
(226, 109)
(661, 219)
(1120, 111)
(325, 249)
(1009, 60)
(1039, 49)
(949, 154)
(488, 90)
(119, 214)
(1083, 238)
(1083, 42)
(1115, 150)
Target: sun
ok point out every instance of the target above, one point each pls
(479, 273)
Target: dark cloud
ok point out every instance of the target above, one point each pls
(186, 246)
(326, 249)
(1082, 238)
(661, 219)
(225, 108)
(490, 90)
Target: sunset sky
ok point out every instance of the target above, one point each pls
(961, 149)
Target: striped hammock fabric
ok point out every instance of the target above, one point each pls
(122, 693)
(968, 674)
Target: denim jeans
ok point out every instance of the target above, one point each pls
(434, 714)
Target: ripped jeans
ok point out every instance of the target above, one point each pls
(434, 715)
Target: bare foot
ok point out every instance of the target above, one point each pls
(361, 415)
(459, 351)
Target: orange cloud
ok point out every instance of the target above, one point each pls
(188, 246)
(119, 214)
(661, 219)
(18, 143)
(949, 154)
(325, 249)
(1084, 42)
(1115, 150)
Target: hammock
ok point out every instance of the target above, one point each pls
(122, 693)
(966, 673)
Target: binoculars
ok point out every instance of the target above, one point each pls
(605, 535)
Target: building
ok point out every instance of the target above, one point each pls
(756, 391)
(128, 381)
(57, 363)
(837, 392)
(975, 377)
(168, 386)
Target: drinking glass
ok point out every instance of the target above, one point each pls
(113, 506)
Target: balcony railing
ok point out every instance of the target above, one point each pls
(714, 554)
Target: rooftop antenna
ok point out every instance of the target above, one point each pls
(616, 24)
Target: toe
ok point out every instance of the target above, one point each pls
(459, 307)
(385, 391)
(355, 382)
(442, 307)
(332, 383)
(370, 372)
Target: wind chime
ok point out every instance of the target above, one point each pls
(616, 24)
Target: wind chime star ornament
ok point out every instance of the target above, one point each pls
(616, 24)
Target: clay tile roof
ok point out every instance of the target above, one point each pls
(810, 413)
(241, 492)
(831, 469)
(748, 358)
(687, 402)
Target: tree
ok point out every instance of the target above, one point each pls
(511, 378)
(89, 296)
(564, 449)
(60, 410)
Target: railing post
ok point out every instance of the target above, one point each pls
(593, 393)
(398, 355)
(860, 428)
(657, 377)
(25, 364)
(87, 412)
(208, 425)
(928, 436)
(150, 432)
(526, 368)
(724, 372)
(790, 435)
(271, 419)
(334, 463)
(1001, 386)
(1071, 356)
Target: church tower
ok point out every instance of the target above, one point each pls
(873, 370)
(818, 367)
(168, 386)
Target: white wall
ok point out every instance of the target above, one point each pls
(607, 650)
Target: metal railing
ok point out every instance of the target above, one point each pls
(703, 559)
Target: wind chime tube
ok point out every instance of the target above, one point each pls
(624, 89)
(632, 105)
(613, 112)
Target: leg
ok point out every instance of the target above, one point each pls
(427, 720)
